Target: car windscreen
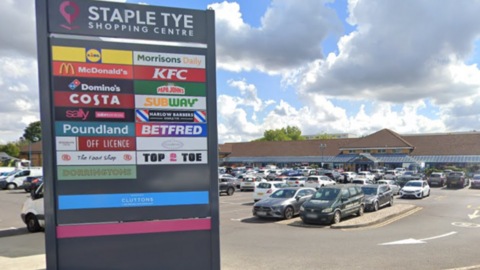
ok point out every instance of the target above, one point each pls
(278, 185)
(326, 194)
(406, 173)
(436, 175)
(312, 178)
(369, 190)
(389, 173)
(382, 182)
(357, 182)
(413, 184)
(264, 185)
(283, 193)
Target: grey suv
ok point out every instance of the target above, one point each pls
(377, 196)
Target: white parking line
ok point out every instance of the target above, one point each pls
(240, 219)
(8, 229)
(466, 268)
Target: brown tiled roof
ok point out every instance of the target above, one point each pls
(36, 148)
(225, 148)
(289, 148)
(442, 145)
(382, 138)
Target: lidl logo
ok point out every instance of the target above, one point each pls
(94, 56)
(74, 84)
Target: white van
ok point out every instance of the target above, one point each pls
(15, 178)
(33, 211)
(6, 170)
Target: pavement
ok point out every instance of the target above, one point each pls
(440, 236)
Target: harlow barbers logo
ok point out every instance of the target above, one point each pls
(70, 12)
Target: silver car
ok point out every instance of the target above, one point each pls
(392, 184)
(283, 203)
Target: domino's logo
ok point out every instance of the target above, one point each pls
(74, 84)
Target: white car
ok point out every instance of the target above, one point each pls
(416, 189)
(33, 212)
(350, 175)
(296, 181)
(391, 175)
(362, 181)
(250, 182)
(263, 173)
(400, 170)
(265, 189)
(365, 175)
(318, 181)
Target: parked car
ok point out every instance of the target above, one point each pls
(476, 181)
(334, 175)
(437, 179)
(377, 174)
(319, 181)
(416, 189)
(33, 212)
(390, 175)
(273, 174)
(290, 173)
(402, 180)
(362, 182)
(249, 182)
(331, 204)
(296, 181)
(15, 178)
(400, 170)
(392, 184)
(227, 186)
(265, 189)
(366, 175)
(377, 196)
(457, 179)
(283, 203)
(409, 173)
(350, 175)
(31, 183)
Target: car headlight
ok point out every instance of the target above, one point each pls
(276, 207)
(327, 210)
(302, 208)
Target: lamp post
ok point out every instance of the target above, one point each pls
(322, 146)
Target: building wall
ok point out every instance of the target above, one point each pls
(37, 158)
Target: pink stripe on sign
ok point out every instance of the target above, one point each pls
(116, 115)
(73, 231)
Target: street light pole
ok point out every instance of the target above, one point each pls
(322, 146)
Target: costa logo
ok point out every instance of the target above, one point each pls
(169, 74)
(92, 70)
(92, 85)
(66, 157)
(127, 157)
(93, 100)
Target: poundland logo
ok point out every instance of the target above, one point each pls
(94, 129)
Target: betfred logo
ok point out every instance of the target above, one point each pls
(92, 70)
(70, 12)
(171, 90)
(169, 74)
(68, 99)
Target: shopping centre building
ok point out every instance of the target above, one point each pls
(383, 149)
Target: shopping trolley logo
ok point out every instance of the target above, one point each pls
(70, 12)
(66, 69)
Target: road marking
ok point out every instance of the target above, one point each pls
(240, 219)
(466, 225)
(466, 267)
(8, 229)
(469, 206)
(415, 241)
(474, 215)
(440, 198)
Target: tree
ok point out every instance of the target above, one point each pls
(284, 134)
(11, 149)
(33, 132)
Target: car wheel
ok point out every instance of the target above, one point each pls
(391, 202)
(11, 186)
(360, 210)
(336, 217)
(32, 223)
(230, 191)
(375, 206)
(288, 213)
(241, 190)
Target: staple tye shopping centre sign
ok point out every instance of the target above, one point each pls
(129, 135)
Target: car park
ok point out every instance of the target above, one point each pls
(249, 182)
(331, 204)
(377, 196)
(283, 203)
(33, 212)
(319, 181)
(265, 189)
(476, 181)
(15, 178)
(227, 186)
(362, 182)
(390, 175)
(437, 179)
(457, 179)
(392, 184)
(366, 175)
(415, 189)
(296, 181)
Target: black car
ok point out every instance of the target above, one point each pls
(377, 196)
(332, 203)
(402, 180)
(334, 175)
(226, 185)
(32, 182)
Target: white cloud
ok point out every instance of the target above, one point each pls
(290, 35)
(250, 95)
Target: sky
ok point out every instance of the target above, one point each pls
(326, 66)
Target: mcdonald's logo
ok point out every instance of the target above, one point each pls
(66, 68)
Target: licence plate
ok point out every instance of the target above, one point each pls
(312, 216)
(454, 182)
(247, 184)
(310, 182)
(291, 183)
(261, 213)
(259, 194)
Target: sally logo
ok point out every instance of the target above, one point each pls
(67, 69)
(70, 12)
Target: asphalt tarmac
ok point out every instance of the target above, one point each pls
(441, 235)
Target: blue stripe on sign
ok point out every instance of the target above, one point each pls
(142, 115)
(200, 116)
(67, 202)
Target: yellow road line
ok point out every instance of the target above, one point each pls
(440, 198)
